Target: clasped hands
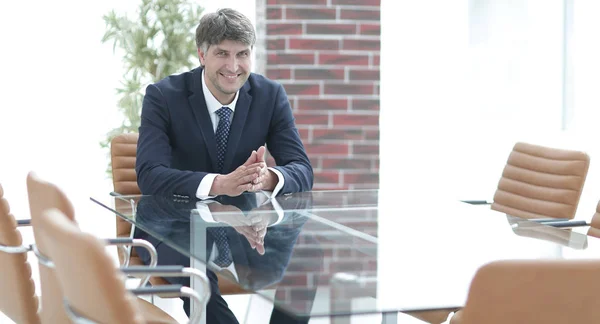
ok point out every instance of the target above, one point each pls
(253, 228)
(251, 176)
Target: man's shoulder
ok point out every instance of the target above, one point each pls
(260, 83)
(176, 83)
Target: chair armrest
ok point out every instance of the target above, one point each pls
(45, 261)
(477, 202)
(15, 249)
(126, 241)
(116, 194)
(547, 220)
(126, 250)
(23, 222)
(166, 271)
(42, 259)
(567, 224)
(175, 271)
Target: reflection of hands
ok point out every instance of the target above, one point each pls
(255, 234)
(260, 223)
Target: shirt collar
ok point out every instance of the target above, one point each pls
(211, 102)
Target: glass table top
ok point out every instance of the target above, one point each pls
(326, 253)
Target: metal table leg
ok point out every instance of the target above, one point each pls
(198, 247)
(389, 318)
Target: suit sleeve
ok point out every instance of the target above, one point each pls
(153, 164)
(287, 149)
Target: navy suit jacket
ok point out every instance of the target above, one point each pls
(177, 147)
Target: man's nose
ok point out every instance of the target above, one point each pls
(233, 63)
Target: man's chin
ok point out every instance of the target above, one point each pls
(230, 89)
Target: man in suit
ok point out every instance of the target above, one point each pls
(203, 132)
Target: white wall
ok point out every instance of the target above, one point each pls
(58, 94)
(58, 97)
(585, 62)
(461, 82)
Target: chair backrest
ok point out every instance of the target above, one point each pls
(541, 182)
(594, 229)
(534, 291)
(94, 288)
(17, 289)
(44, 196)
(123, 148)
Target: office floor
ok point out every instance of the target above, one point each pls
(255, 310)
(259, 314)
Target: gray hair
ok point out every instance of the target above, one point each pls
(225, 24)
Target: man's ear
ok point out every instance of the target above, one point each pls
(201, 54)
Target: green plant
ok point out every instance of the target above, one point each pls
(158, 43)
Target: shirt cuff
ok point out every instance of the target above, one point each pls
(278, 210)
(279, 185)
(204, 212)
(205, 185)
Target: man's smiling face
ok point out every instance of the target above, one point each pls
(227, 67)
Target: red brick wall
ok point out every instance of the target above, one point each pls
(326, 55)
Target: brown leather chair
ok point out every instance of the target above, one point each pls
(123, 150)
(95, 289)
(532, 292)
(44, 196)
(17, 289)
(541, 182)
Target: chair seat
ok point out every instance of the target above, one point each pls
(153, 314)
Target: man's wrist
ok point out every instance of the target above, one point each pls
(272, 181)
(215, 188)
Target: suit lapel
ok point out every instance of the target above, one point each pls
(200, 111)
(237, 125)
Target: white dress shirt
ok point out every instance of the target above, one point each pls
(213, 105)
